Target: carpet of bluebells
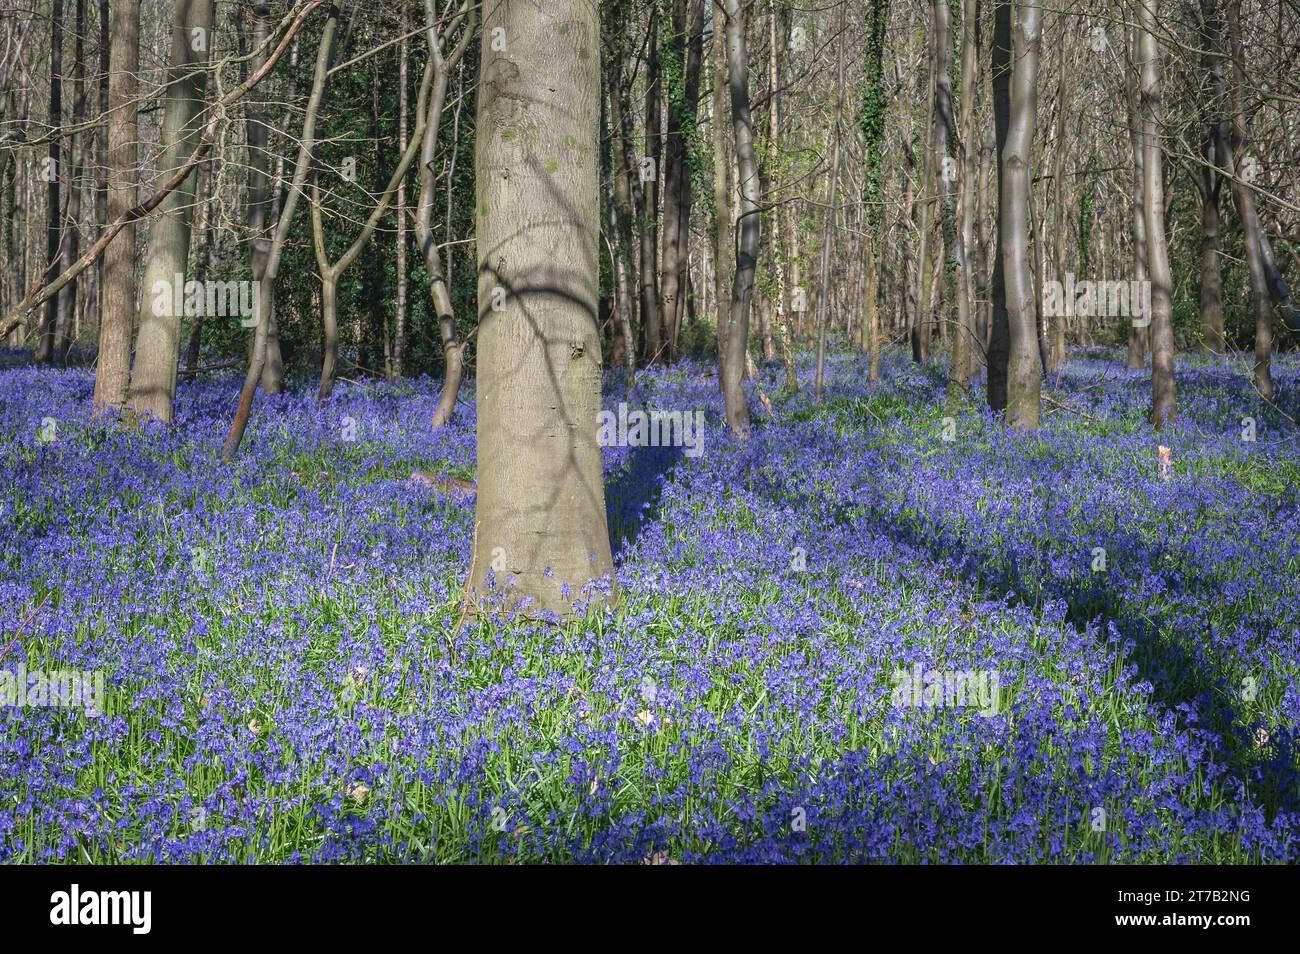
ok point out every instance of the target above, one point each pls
(283, 682)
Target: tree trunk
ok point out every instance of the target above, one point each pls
(68, 299)
(775, 118)
(1163, 398)
(1056, 352)
(624, 173)
(331, 272)
(453, 348)
(540, 533)
(153, 378)
(1024, 369)
(723, 217)
(266, 292)
(259, 193)
(117, 316)
(399, 208)
(688, 49)
(1251, 233)
(1138, 337)
(53, 175)
(828, 235)
(1209, 183)
(999, 348)
(747, 223)
(966, 171)
(201, 261)
(649, 224)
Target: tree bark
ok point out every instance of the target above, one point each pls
(53, 173)
(541, 533)
(1251, 233)
(999, 348)
(775, 118)
(828, 234)
(117, 316)
(1024, 368)
(966, 171)
(453, 348)
(258, 201)
(688, 47)
(399, 207)
(266, 292)
(649, 221)
(1209, 183)
(331, 272)
(723, 217)
(65, 332)
(1138, 337)
(747, 223)
(153, 378)
(1163, 397)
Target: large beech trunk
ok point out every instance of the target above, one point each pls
(540, 533)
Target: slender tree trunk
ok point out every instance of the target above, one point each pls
(747, 224)
(1209, 183)
(101, 155)
(1056, 352)
(68, 298)
(399, 319)
(266, 292)
(874, 101)
(780, 265)
(453, 348)
(723, 216)
(259, 196)
(999, 348)
(540, 533)
(983, 278)
(153, 378)
(966, 171)
(930, 159)
(1163, 398)
(201, 262)
(624, 173)
(113, 364)
(828, 236)
(687, 43)
(1251, 232)
(1024, 368)
(1138, 336)
(617, 240)
(53, 175)
(649, 230)
(331, 272)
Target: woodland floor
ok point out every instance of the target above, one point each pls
(283, 683)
